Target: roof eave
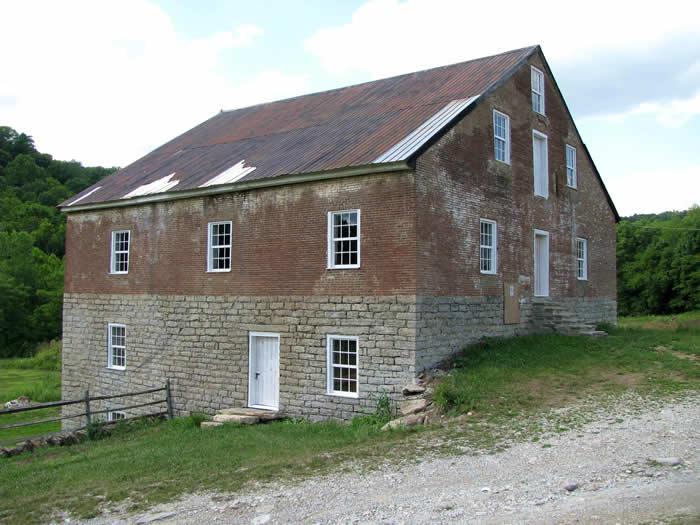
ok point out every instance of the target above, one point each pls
(282, 180)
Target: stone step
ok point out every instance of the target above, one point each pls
(210, 424)
(235, 418)
(262, 415)
(594, 333)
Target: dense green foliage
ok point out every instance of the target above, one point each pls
(658, 263)
(32, 232)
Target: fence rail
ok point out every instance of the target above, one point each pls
(89, 412)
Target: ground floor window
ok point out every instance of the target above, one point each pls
(116, 415)
(116, 346)
(342, 365)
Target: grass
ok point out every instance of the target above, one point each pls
(652, 355)
(142, 465)
(38, 378)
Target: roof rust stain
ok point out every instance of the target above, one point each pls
(350, 126)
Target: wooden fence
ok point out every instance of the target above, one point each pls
(89, 414)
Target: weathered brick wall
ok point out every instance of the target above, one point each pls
(458, 182)
(279, 242)
(201, 344)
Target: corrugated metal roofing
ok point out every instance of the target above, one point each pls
(375, 122)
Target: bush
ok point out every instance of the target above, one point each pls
(47, 356)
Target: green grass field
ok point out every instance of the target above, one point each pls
(147, 464)
(38, 378)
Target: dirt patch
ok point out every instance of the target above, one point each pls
(626, 379)
(676, 353)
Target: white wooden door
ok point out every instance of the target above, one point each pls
(541, 258)
(263, 370)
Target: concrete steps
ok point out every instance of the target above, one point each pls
(241, 416)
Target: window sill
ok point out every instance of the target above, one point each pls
(344, 267)
(572, 187)
(487, 273)
(118, 273)
(345, 395)
(545, 197)
(117, 368)
(507, 163)
(583, 279)
(219, 271)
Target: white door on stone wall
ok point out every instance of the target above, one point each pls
(263, 370)
(541, 257)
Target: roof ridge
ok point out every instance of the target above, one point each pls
(314, 93)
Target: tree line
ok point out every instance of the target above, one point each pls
(658, 256)
(32, 234)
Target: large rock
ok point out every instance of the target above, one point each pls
(412, 406)
(667, 462)
(210, 424)
(405, 421)
(413, 390)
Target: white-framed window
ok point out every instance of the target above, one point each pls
(116, 346)
(344, 239)
(119, 256)
(343, 354)
(487, 246)
(116, 415)
(540, 163)
(219, 239)
(571, 177)
(501, 136)
(537, 82)
(581, 259)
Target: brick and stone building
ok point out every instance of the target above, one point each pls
(310, 254)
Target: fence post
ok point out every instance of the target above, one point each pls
(169, 398)
(87, 407)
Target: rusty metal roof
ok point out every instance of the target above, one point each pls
(376, 122)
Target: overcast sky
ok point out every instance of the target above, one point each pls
(106, 82)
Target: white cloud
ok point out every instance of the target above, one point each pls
(386, 37)
(671, 113)
(105, 82)
(655, 190)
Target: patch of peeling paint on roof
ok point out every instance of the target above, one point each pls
(232, 174)
(414, 140)
(157, 186)
(84, 196)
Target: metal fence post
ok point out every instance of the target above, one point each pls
(169, 398)
(87, 407)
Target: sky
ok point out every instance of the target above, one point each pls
(107, 82)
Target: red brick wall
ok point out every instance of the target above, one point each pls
(279, 242)
(458, 182)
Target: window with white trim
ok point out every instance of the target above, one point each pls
(540, 164)
(571, 167)
(501, 136)
(116, 346)
(487, 246)
(119, 259)
(342, 365)
(581, 259)
(219, 246)
(116, 415)
(537, 82)
(344, 239)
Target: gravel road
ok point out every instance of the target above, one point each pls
(622, 464)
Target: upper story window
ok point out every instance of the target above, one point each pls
(119, 258)
(571, 177)
(537, 82)
(344, 239)
(501, 136)
(487, 246)
(116, 346)
(581, 259)
(219, 247)
(540, 164)
(342, 365)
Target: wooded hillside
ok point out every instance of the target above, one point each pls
(32, 233)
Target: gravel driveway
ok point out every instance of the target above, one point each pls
(620, 469)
